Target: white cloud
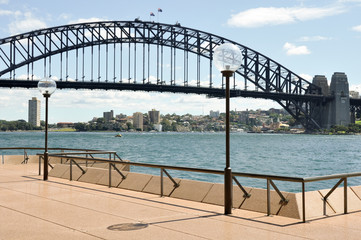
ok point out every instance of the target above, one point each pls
(24, 23)
(306, 76)
(356, 88)
(313, 38)
(259, 17)
(6, 12)
(86, 20)
(64, 16)
(10, 13)
(357, 28)
(292, 49)
(4, 1)
(346, 1)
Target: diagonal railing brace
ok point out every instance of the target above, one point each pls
(330, 192)
(283, 201)
(245, 193)
(116, 169)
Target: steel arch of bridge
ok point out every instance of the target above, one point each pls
(270, 79)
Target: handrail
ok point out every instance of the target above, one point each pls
(86, 154)
(81, 153)
(33, 148)
(267, 177)
(342, 177)
(201, 170)
(333, 176)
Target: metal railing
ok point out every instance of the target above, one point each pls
(112, 155)
(26, 149)
(163, 169)
(269, 178)
(86, 152)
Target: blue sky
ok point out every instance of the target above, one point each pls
(308, 37)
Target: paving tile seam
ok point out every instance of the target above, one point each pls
(52, 222)
(115, 215)
(189, 234)
(109, 196)
(65, 203)
(143, 204)
(260, 228)
(125, 201)
(252, 227)
(241, 221)
(337, 226)
(131, 219)
(100, 188)
(87, 191)
(93, 210)
(75, 205)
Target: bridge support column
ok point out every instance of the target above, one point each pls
(336, 112)
(320, 111)
(340, 106)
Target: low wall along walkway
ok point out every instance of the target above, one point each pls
(206, 192)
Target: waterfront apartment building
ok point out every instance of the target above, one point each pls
(154, 116)
(138, 120)
(34, 112)
(214, 114)
(108, 116)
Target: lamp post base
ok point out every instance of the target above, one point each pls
(228, 191)
(46, 161)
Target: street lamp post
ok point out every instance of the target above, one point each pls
(227, 59)
(46, 86)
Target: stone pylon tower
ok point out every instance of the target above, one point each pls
(336, 112)
(320, 111)
(340, 106)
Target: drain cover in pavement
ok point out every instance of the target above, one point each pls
(127, 226)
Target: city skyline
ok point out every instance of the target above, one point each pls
(310, 38)
(34, 108)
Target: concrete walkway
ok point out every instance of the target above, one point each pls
(59, 209)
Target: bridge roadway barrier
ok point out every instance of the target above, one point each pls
(206, 192)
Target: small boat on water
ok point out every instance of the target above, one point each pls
(118, 135)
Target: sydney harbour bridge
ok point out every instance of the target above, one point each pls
(150, 56)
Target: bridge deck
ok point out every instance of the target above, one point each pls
(33, 209)
(212, 92)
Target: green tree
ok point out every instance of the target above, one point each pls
(130, 125)
(166, 125)
(80, 127)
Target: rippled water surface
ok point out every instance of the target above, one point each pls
(275, 154)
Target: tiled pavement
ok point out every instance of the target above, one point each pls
(59, 209)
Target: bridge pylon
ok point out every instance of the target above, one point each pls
(336, 111)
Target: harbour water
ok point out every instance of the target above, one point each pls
(296, 155)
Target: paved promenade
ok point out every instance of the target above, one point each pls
(59, 209)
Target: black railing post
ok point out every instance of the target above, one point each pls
(303, 202)
(71, 170)
(110, 174)
(345, 194)
(161, 182)
(268, 198)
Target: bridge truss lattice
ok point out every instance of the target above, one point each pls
(148, 56)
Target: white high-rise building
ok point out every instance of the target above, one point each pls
(34, 111)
